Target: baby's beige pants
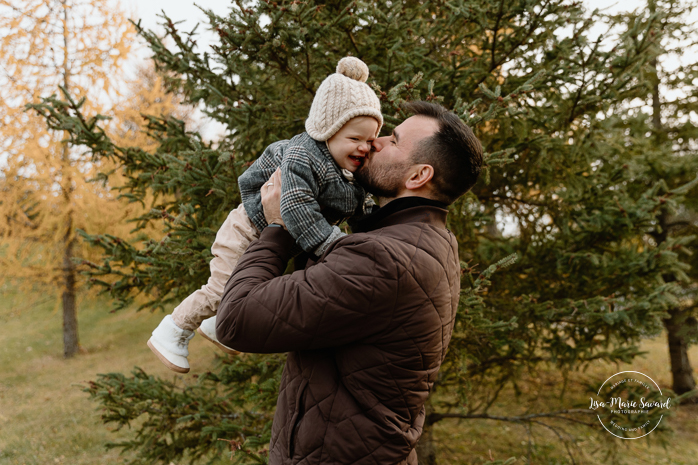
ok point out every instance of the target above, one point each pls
(232, 239)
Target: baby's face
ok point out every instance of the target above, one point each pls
(350, 145)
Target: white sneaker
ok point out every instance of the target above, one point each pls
(208, 331)
(169, 342)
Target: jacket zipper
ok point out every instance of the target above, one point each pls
(297, 417)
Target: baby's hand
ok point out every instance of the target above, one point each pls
(271, 199)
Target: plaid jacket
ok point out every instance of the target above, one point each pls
(315, 195)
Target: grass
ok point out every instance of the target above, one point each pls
(477, 441)
(45, 418)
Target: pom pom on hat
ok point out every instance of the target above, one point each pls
(342, 96)
(353, 68)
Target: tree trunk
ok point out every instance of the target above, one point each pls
(426, 449)
(71, 342)
(681, 370)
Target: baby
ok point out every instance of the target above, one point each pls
(318, 193)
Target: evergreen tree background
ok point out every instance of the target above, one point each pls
(605, 214)
(670, 151)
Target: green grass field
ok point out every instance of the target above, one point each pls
(475, 441)
(45, 418)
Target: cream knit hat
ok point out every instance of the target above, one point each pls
(341, 97)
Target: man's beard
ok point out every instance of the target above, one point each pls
(382, 181)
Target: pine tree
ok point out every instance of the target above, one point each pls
(672, 157)
(79, 45)
(575, 284)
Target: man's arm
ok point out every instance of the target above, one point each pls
(348, 296)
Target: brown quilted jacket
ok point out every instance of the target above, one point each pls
(366, 328)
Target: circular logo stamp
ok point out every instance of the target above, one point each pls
(630, 405)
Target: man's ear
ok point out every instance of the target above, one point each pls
(420, 175)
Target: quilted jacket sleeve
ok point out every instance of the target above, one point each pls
(348, 296)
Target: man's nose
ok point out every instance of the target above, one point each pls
(379, 143)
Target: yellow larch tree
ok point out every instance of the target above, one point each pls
(147, 95)
(82, 46)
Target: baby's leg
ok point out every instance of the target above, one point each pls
(232, 240)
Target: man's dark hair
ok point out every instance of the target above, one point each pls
(453, 151)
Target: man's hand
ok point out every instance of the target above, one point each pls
(271, 199)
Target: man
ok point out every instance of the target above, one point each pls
(366, 328)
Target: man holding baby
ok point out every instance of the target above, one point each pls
(366, 324)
